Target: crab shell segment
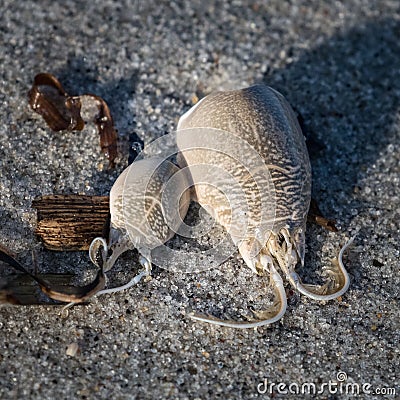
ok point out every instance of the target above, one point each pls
(148, 203)
(261, 117)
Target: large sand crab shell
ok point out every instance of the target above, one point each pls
(261, 117)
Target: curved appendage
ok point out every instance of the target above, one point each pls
(337, 284)
(134, 281)
(99, 249)
(270, 316)
(118, 247)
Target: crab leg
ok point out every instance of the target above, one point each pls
(118, 249)
(274, 314)
(336, 286)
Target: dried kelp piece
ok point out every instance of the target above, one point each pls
(315, 215)
(73, 294)
(7, 296)
(49, 99)
(68, 294)
(63, 112)
(24, 290)
(105, 125)
(71, 222)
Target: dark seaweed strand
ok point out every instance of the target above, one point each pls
(57, 292)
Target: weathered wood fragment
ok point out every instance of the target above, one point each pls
(71, 222)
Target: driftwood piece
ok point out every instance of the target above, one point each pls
(71, 222)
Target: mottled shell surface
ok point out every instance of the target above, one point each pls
(147, 204)
(264, 119)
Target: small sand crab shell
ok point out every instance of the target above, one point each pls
(264, 119)
(145, 210)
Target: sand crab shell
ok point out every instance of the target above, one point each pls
(145, 213)
(261, 117)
